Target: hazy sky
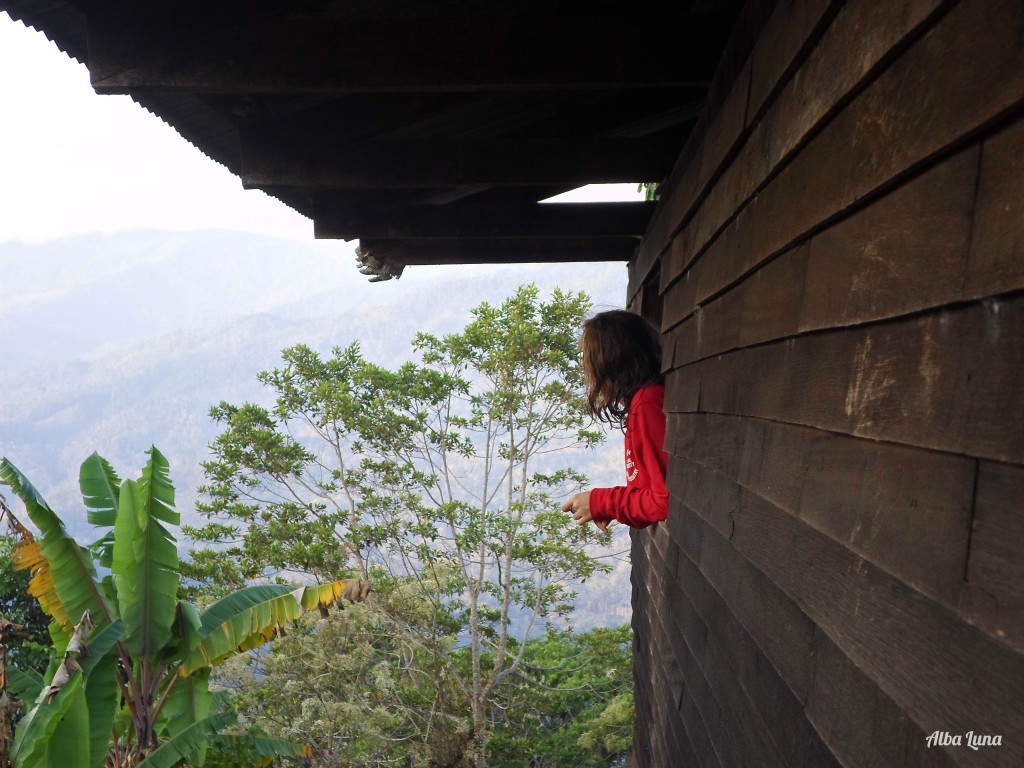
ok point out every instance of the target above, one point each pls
(73, 162)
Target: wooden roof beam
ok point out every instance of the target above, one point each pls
(293, 55)
(387, 258)
(379, 164)
(548, 220)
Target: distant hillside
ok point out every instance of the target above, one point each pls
(114, 344)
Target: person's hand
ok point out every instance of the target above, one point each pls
(579, 506)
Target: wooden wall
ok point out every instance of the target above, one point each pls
(837, 265)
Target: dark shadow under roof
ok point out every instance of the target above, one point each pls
(428, 129)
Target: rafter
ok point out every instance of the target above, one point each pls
(295, 54)
(498, 250)
(554, 220)
(465, 162)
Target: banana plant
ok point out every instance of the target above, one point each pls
(128, 684)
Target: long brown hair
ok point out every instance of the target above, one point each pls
(621, 353)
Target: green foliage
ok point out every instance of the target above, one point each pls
(361, 693)
(571, 703)
(651, 191)
(18, 606)
(127, 683)
(356, 687)
(442, 476)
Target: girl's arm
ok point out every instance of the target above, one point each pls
(644, 499)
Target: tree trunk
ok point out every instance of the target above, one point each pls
(479, 736)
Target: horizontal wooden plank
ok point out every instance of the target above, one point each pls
(862, 726)
(664, 703)
(920, 654)
(500, 250)
(783, 632)
(423, 163)
(404, 222)
(682, 390)
(734, 650)
(807, 102)
(726, 130)
(994, 594)
(945, 380)
(905, 252)
(293, 54)
(997, 246)
(737, 730)
(903, 509)
(675, 680)
(792, 27)
(827, 77)
(915, 115)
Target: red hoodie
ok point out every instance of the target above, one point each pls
(644, 499)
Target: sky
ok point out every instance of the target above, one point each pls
(73, 162)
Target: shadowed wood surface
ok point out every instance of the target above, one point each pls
(432, 103)
(840, 265)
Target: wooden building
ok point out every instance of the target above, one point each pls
(836, 261)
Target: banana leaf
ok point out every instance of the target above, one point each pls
(102, 700)
(63, 577)
(190, 743)
(100, 489)
(321, 594)
(188, 702)
(102, 693)
(38, 728)
(258, 746)
(70, 745)
(24, 685)
(145, 558)
(185, 632)
(251, 617)
(242, 620)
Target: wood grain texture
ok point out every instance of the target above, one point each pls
(858, 722)
(994, 594)
(737, 657)
(939, 380)
(904, 253)
(997, 245)
(720, 133)
(723, 88)
(783, 632)
(828, 75)
(740, 733)
(791, 27)
(923, 656)
(705, 721)
(864, 726)
(903, 509)
(899, 123)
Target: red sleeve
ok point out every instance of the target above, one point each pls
(644, 499)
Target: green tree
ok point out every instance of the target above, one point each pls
(443, 473)
(356, 687)
(128, 682)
